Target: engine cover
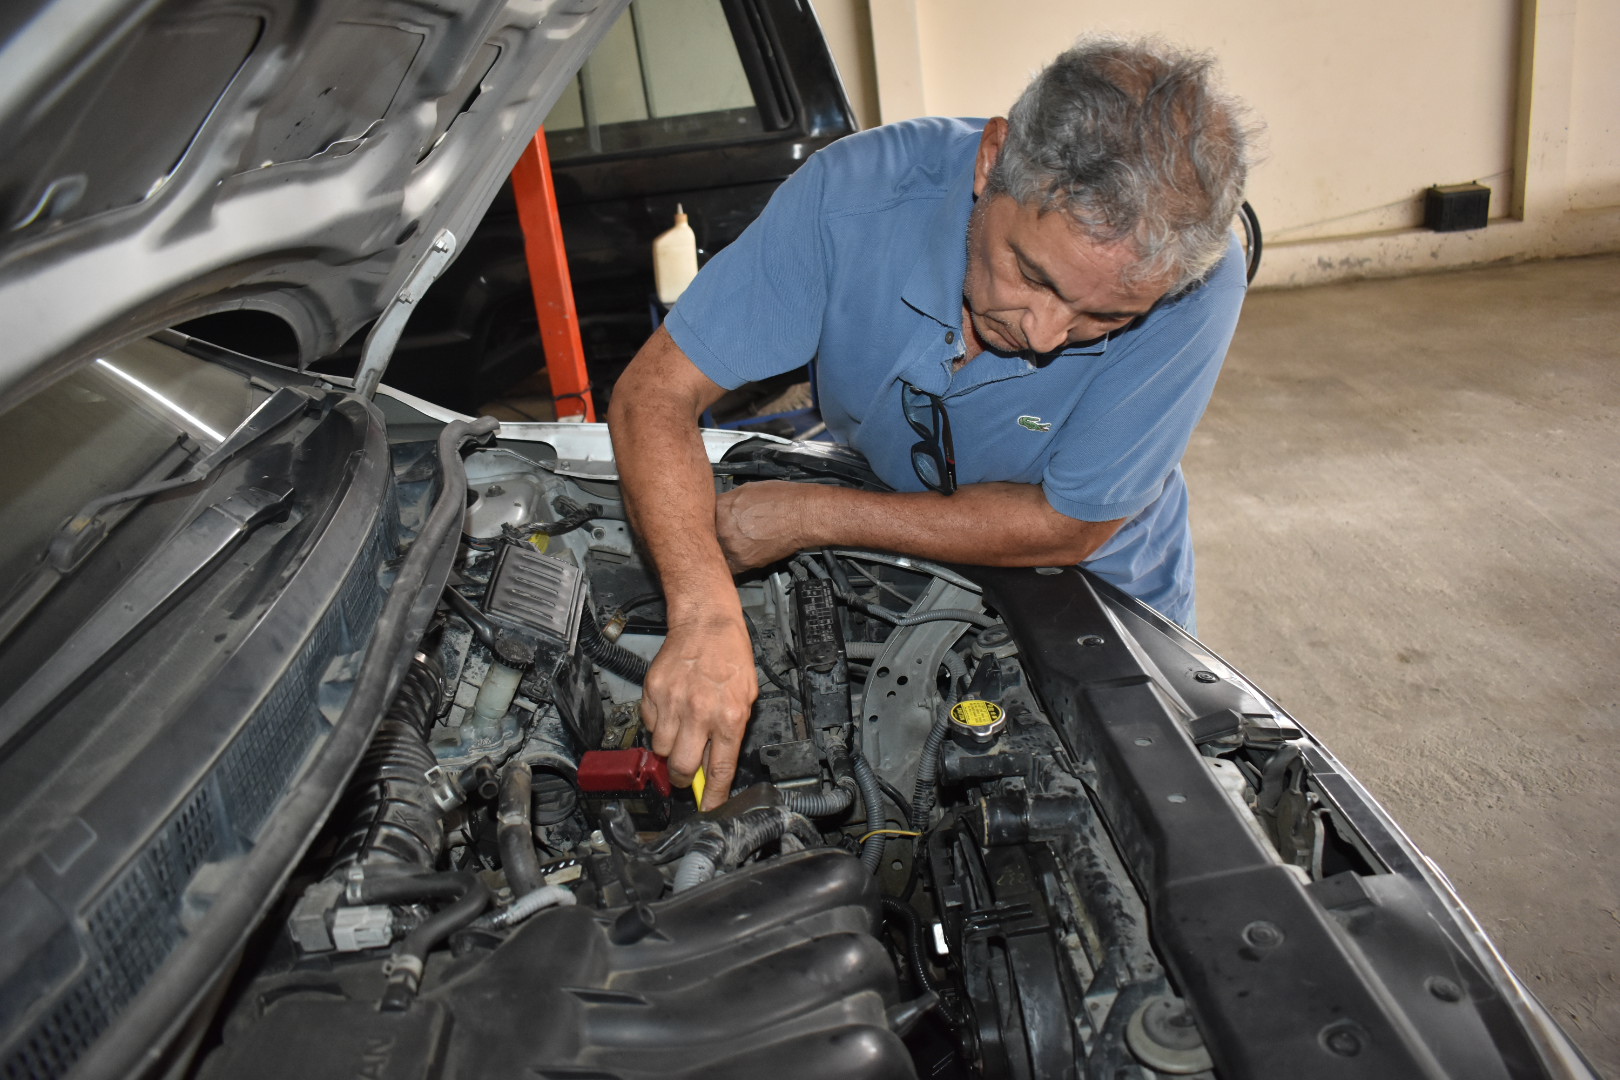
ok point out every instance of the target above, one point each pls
(769, 971)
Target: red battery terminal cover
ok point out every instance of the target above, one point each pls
(624, 772)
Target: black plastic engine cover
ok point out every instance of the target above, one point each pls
(770, 971)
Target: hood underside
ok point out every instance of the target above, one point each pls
(170, 158)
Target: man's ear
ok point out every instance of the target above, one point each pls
(990, 144)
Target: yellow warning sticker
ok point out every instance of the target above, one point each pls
(976, 713)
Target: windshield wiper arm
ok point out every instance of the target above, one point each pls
(85, 529)
(147, 593)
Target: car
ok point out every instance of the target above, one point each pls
(321, 749)
(703, 107)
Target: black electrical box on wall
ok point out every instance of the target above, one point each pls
(1455, 207)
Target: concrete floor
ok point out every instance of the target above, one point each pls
(1406, 500)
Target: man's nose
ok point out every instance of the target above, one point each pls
(1046, 327)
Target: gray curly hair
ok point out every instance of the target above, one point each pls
(1134, 141)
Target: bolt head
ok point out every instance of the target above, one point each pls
(1343, 1038)
(1206, 676)
(1443, 988)
(1263, 935)
(1091, 641)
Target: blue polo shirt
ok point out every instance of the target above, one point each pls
(858, 263)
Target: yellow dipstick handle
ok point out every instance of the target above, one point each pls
(697, 786)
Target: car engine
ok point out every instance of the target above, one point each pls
(913, 875)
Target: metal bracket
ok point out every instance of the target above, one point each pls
(901, 695)
(379, 348)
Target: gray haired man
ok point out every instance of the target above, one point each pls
(1018, 321)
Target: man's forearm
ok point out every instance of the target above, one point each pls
(701, 685)
(1000, 524)
(669, 489)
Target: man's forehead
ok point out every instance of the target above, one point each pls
(1076, 262)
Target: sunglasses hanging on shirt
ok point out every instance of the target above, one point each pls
(933, 456)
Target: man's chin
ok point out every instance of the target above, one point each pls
(993, 338)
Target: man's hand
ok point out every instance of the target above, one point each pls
(759, 523)
(697, 697)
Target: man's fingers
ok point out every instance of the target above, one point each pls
(720, 769)
(696, 700)
(688, 755)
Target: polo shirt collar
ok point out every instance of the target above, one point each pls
(935, 285)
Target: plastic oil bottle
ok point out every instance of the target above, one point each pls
(674, 259)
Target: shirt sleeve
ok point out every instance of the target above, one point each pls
(1131, 426)
(756, 308)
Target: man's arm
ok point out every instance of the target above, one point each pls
(1002, 524)
(701, 685)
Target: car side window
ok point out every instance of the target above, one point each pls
(667, 74)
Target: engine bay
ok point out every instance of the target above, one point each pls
(925, 867)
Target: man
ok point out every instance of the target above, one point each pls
(1018, 321)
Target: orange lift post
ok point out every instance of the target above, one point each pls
(553, 288)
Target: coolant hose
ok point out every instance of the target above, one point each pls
(872, 799)
(482, 628)
(922, 795)
(468, 895)
(515, 830)
(825, 803)
(610, 655)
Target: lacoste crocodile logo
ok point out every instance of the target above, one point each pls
(1034, 423)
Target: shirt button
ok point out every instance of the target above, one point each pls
(950, 337)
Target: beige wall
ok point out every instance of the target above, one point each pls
(1364, 105)
(1594, 121)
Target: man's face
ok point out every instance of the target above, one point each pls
(1035, 282)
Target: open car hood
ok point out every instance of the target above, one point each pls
(170, 158)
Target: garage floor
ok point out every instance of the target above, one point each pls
(1406, 496)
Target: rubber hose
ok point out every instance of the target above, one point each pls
(864, 650)
(393, 814)
(482, 628)
(469, 896)
(922, 794)
(614, 657)
(515, 830)
(872, 799)
(1271, 781)
(442, 924)
(826, 803)
(920, 974)
(407, 888)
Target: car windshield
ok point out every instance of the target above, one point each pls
(101, 429)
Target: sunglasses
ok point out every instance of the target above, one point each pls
(934, 456)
